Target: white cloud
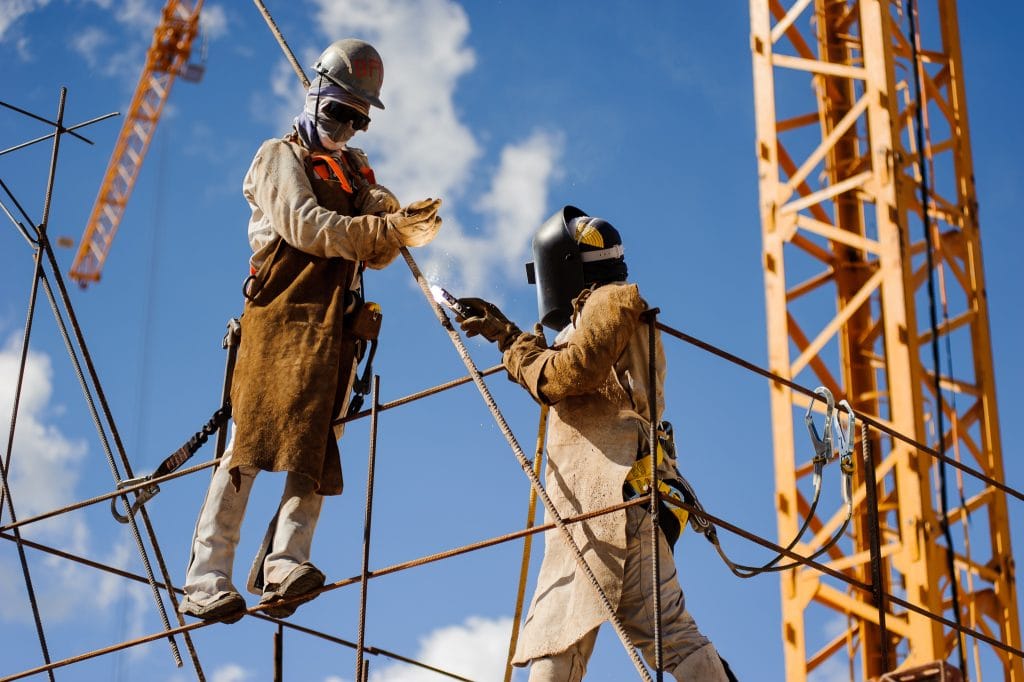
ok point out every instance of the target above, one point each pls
(44, 472)
(420, 147)
(136, 13)
(12, 10)
(214, 21)
(44, 462)
(88, 42)
(477, 650)
(231, 673)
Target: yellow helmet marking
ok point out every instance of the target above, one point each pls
(586, 233)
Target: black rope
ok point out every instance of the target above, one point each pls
(934, 324)
(191, 446)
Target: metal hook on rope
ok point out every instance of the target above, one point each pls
(845, 455)
(823, 454)
(143, 496)
(822, 446)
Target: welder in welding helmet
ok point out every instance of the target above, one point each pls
(572, 251)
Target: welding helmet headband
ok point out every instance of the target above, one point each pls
(571, 251)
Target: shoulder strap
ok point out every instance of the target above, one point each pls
(321, 170)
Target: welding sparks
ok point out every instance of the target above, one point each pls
(446, 299)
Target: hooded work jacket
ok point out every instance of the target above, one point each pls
(295, 361)
(596, 380)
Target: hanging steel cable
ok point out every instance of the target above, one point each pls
(925, 190)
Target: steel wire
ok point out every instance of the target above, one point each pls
(853, 582)
(735, 359)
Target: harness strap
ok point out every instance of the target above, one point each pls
(332, 165)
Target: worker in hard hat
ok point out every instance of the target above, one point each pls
(595, 378)
(318, 218)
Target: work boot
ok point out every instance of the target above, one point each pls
(226, 606)
(296, 588)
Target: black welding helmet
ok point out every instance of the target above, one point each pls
(571, 251)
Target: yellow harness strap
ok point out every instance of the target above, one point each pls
(639, 480)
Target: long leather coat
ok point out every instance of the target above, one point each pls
(596, 380)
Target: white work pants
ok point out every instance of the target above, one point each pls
(220, 520)
(687, 654)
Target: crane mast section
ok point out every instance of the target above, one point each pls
(845, 268)
(166, 59)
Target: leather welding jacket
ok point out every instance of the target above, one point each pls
(295, 361)
(596, 380)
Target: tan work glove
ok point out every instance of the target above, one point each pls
(417, 224)
(489, 322)
(385, 252)
(376, 200)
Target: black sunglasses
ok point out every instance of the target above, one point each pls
(343, 114)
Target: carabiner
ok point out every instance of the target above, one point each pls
(846, 443)
(144, 495)
(822, 446)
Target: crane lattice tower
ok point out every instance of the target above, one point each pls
(847, 268)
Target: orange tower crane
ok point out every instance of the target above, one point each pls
(860, 103)
(167, 59)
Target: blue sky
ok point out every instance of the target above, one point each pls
(642, 114)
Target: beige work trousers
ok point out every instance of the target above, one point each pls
(687, 654)
(219, 528)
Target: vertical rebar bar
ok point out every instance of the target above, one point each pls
(651, 317)
(874, 542)
(524, 567)
(367, 522)
(5, 492)
(279, 654)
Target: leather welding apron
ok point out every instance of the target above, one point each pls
(295, 360)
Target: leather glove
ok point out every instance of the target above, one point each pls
(489, 322)
(384, 253)
(418, 223)
(376, 200)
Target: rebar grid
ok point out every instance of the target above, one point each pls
(41, 246)
(512, 536)
(517, 534)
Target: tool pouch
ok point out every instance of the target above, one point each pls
(364, 322)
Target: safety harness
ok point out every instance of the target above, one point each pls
(673, 519)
